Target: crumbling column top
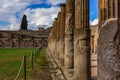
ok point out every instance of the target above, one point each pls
(63, 4)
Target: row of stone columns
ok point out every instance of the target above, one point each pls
(76, 39)
(69, 40)
(107, 9)
(56, 37)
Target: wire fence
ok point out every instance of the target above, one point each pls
(24, 64)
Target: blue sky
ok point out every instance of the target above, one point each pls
(40, 13)
(93, 9)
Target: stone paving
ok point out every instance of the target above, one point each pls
(94, 66)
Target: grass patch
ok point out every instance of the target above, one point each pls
(10, 61)
(41, 68)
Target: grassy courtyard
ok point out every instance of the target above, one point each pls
(10, 61)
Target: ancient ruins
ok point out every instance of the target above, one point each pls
(74, 45)
(108, 41)
(24, 38)
(77, 50)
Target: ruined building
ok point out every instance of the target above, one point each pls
(73, 43)
(24, 38)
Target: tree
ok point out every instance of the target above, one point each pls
(24, 24)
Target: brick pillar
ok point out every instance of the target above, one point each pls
(69, 26)
(82, 67)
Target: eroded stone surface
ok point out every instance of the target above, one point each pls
(108, 56)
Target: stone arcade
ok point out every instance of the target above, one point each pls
(72, 42)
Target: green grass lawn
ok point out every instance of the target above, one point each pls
(10, 61)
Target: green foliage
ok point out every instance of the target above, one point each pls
(24, 23)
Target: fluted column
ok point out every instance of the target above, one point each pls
(82, 67)
(69, 26)
(107, 10)
(100, 12)
(58, 25)
(55, 38)
(116, 8)
(62, 34)
(58, 37)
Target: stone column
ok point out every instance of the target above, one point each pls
(62, 33)
(107, 9)
(51, 37)
(58, 37)
(111, 8)
(58, 25)
(108, 45)
(82, 67)
(102, 10)
(69, 26)
(55, 38)
(99, 7)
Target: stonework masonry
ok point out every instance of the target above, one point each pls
(82, 70)
(108, 41)
(87, 52)
(23, 38)
(69, 41)
(69, 27)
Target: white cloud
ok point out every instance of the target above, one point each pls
(41, 16)
(8, 9)
(94, 22)
(5, 28)
(55, 2)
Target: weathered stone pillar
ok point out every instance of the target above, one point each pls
(69, 26)
(58, 37)
(62, 33)
(108, 44)
(111, 8)
(55, 38)
(58, 25)
(50, 40)
(82, 67)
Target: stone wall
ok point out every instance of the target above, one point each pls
(23, 39)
